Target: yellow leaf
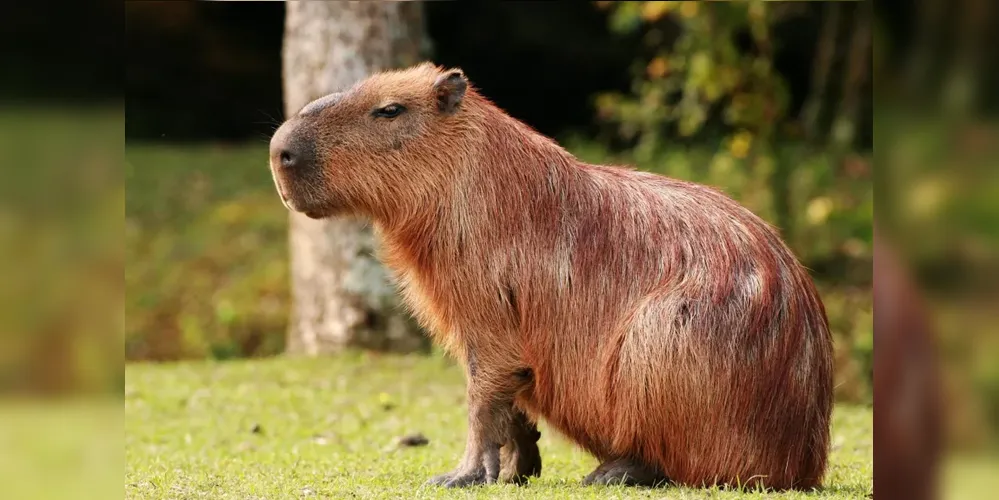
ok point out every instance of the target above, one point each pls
(657, 68)
(926, 197)
(652, 11)
(740, 144)
(688, 9)
(818, 210)
(700, 66)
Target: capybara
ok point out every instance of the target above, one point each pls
(656, 323)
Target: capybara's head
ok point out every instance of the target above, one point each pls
(358, 150)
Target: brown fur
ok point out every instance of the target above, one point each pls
(653, 321)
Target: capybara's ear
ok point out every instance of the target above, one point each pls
(450, 90)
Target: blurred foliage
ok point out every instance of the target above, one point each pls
(206, 242)
(937, 145)
(700, 74)
(61, 257)
(707, 105)
(938, 186)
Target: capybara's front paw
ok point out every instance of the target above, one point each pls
(482, 469)
(461, 478)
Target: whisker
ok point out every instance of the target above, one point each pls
(271, 120)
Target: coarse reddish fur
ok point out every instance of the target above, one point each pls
(662, 321)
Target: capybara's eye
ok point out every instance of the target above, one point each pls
(390, 111)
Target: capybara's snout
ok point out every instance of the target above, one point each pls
(295, 166)
(292, 151)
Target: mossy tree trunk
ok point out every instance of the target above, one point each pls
(341, 294)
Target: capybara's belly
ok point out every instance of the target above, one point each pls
(573, 402)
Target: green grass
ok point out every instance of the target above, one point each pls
(327, 429)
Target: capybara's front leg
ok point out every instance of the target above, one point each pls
(492, 423)
(489, 423)
(519, 457)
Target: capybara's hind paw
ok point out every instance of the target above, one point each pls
(627, 472)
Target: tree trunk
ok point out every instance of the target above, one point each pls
(858, 70)
(825, 52)
(341, 294)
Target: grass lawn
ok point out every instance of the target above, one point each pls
(328, 427)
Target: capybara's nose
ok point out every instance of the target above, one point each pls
(291, 149)
(288, 159)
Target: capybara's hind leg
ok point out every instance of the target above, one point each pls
(519, 457)
(627, 472)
